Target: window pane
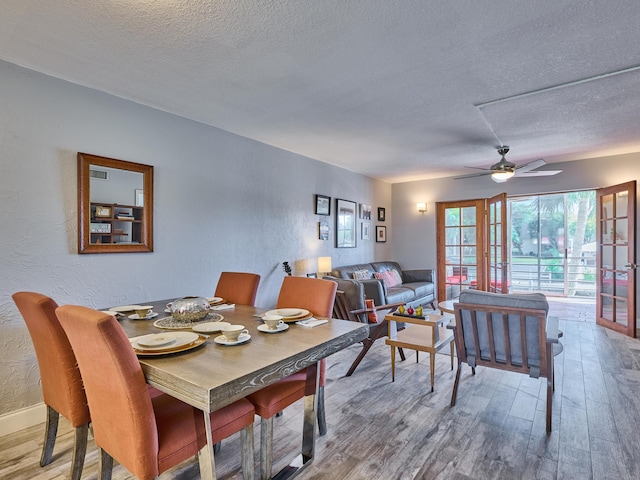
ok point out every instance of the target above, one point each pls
(452, 217)
(469, 235)
(469, 216)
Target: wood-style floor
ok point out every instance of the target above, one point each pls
(384, 430)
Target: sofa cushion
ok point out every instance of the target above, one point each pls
(420, 289)
(346, 272)
(389, 278)
(361, 274)
(400, 294)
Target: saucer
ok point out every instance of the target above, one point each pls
(222, 340)
(265, 329)
(210, 327)
(135, 316)
(157, 340)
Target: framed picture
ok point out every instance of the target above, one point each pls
(382, 214)
(139, 198)
(103, 212)
(365, 228)
(323, 230)
(100, 227)
(323, 205)
(312, 275)
(381, 233)
(365, 211)
(346, 223)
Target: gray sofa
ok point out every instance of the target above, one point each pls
(417, 288)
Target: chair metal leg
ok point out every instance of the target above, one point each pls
(79, 451)
(432, 364)
(402, 357)
(105, 465)
(417, 358)
(322, 418)
(550, 381)
(454, 394)
(50, 432)
(246, 439)
(266, 447)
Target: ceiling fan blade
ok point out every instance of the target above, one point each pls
(531, 165)
(471, 175)
(538, 173)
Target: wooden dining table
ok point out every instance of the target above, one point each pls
(213, 375)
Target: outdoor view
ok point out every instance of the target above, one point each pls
(553, 244)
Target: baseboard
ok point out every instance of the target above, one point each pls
(21, 419)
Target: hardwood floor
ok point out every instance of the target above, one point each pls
(384, 430)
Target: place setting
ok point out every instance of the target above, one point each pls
(233, 335)
(289, 315)
(143, 312)
(273, 324)
(166, 343)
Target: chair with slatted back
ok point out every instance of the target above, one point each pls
(146, 434)
(62, 388)
(506, 332)
(378, 329)
(238, 287)
(317, 296)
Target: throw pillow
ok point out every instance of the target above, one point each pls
(397, 277)
(361, 275)
(387, 277)
(373, 318)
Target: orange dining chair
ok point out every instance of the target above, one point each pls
(146, 434)
(62, 388)
(317, 296)
(238, 287)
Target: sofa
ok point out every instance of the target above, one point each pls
(359, 282)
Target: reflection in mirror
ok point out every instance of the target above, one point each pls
(115, 205)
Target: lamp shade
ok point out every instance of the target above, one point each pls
(422, 207)
(502, 176)
(324, 264)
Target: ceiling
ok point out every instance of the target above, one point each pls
(397, 90)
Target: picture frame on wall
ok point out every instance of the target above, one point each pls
(382, 214)
(365, 211)
(323, 230)
(323, 205)
(381, 234)
(365, 228)
(346, 212)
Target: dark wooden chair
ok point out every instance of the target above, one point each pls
(506, 332)
(342, 310)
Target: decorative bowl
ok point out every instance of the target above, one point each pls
(189, 309)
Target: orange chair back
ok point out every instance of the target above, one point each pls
(62, 387)
(124, 424)
(313, 294)
(238, 287)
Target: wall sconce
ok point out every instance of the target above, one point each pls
(422, 207)
(324, 265)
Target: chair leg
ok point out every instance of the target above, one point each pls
(454, 394)
(376, 332)
(79, 451)
(550, 382)
(248, 464)
(452, 353)
(402, 357)
(266, 447)
(50, 432)
(105, 465)
(417, 358)
(432, 364)
(393, 363)
(322, 418)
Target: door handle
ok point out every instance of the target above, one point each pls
(631, 266)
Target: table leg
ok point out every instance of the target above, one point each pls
(205, 455)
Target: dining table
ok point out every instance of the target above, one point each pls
(212, 375)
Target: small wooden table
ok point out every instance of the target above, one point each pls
(429, 335)
(447, 306)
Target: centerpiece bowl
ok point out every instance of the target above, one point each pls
(189, 309)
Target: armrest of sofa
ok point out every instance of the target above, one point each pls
(353, 290)
(375, 290)
(422, 275)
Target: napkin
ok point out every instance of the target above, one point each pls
(311, 322)
(223, 307)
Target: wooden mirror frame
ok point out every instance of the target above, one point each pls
(84, 206)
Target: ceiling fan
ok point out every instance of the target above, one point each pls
(503, 170)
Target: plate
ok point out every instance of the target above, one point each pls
(210, 327)
(289, 314)
(214, 300)
(110, 312)
(125, 308)
(157, 340)
(180, 339)
(135, 316)
(222, 340)
(265, 329)
(189, 346)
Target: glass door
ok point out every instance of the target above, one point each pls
(496, 226)
(615, 260)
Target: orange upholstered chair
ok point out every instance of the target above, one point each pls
(238, 287)
(62, 388)
(145, 434)
(317, 296)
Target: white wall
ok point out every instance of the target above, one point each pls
(414, 234)
(222, 202)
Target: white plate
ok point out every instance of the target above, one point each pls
(157, 340)
(181, 338)
(210, 327)
(213, 299)
(125, 308)
(135, 316)
(110, 312)
(289, 312)
(265, 329)
(222, 340)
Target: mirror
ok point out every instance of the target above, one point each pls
(115, 205)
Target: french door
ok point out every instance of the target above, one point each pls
(616, 257)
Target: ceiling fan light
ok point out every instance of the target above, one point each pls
(502, 175)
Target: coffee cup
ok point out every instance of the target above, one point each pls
(233, 332)
(273, 322)
(143, 311)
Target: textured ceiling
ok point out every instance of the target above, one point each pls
(397, 90)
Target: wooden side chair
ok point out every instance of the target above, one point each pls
(317, 296)
(507, 332)
(238, 287)
(146, 434)
(62, 387)
(378, 329)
